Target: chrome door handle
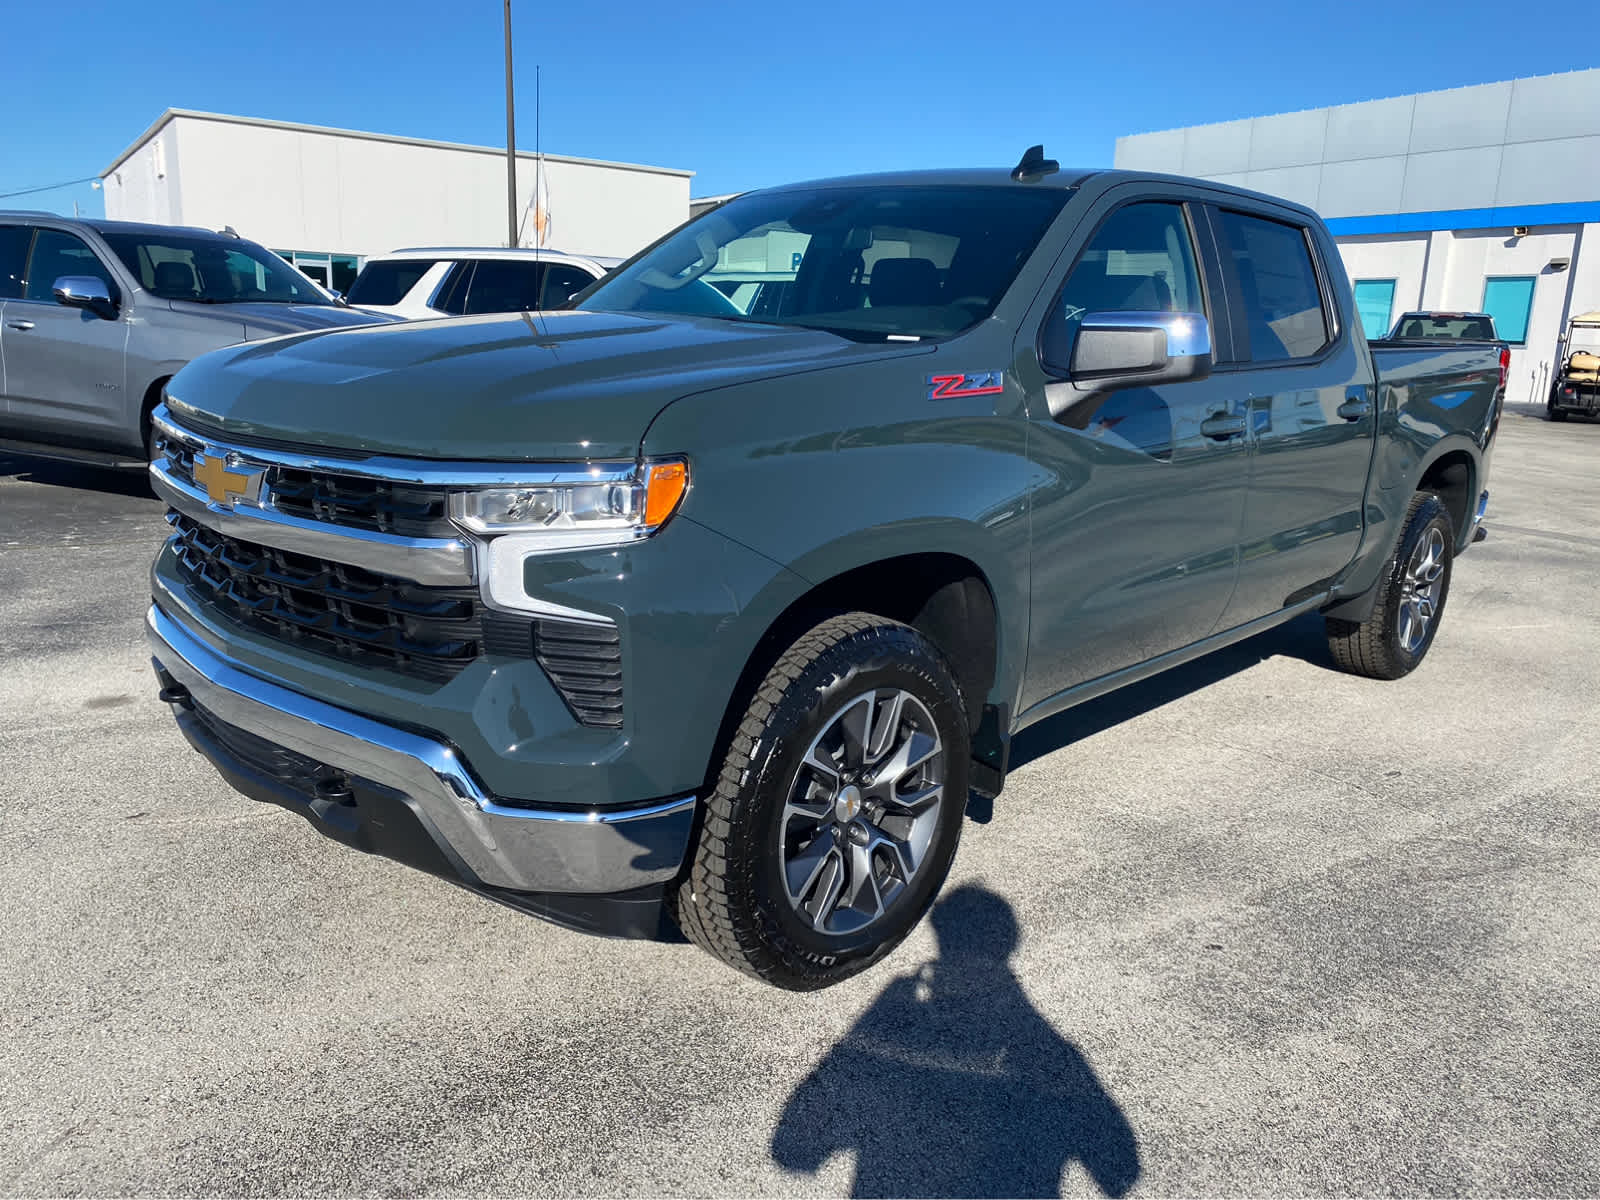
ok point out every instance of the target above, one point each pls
(23, 325)
(1353, 410)
(1222, 426)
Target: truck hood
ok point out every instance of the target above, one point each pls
(570, 385)
(274, 320)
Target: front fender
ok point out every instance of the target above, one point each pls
(832, 471)
(943, 536)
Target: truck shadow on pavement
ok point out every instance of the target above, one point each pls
(953, 1084)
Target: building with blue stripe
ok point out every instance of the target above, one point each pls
(1480, 199)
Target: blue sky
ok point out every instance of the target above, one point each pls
(743, 94)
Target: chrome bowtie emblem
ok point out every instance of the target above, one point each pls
(222, 484)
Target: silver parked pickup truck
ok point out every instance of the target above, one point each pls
(96, 316)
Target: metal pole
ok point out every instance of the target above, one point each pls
(538, 158)
(511, 144)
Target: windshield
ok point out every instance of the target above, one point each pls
(208, 270)
(1443, 325)
(388, 282)
(865, 262)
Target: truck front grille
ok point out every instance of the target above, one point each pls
(357, 501)
(429, 633)
(372, 504)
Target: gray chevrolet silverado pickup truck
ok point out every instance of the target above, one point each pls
(659, 613)
(96, 316)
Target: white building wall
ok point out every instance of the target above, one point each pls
(1477, 255)
(300, 189)
(1481, 160)
(147, 183)
(1523, 141)
(1402, 257)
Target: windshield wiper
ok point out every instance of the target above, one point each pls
(854, 333)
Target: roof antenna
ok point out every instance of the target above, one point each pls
(1034, 165)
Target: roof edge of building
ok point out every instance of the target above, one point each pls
(1349, 104)
(172, 114)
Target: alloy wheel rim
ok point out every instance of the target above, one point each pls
(1420, 591)
(859, 822)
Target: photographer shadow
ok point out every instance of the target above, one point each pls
(953, 1084)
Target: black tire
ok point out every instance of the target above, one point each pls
(734, 901)
(1378, 647)
(1555, 414)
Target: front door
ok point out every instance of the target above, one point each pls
(1311, 414)
(1135, 527)
(65, 366)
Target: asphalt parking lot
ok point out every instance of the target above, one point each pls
(1272, 929)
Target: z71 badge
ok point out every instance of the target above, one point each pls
(951, 387)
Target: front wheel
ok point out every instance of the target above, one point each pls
(1416, 582)
(836, 815)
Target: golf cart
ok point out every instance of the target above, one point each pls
(1576, 388)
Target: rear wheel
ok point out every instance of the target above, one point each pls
(838, 808)
(1554, 413)
(1411, 597)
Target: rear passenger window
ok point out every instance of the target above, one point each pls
(504, 285)
(1278, 285)
(13, 257)
(388, 282)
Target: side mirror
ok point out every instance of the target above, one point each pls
(1110, 350)
(84, 291)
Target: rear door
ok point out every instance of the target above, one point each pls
(1311, 408)
(65, 366)
(14, 240)
(1135, 530)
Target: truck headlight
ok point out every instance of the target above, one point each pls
(609, 508)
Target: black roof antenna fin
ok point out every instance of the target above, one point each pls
(1034, 165)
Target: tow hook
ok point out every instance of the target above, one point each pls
(175, 693)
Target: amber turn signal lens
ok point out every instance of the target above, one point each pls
(665, 486)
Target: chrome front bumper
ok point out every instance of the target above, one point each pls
(503, 847)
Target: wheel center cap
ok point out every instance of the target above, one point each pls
(847, 804)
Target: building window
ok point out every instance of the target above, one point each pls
(345, 269)
(1375, 303)
(1509, 299)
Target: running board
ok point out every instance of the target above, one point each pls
(1095, 688)
(73, 454)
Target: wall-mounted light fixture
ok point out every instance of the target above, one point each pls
(1519, 231)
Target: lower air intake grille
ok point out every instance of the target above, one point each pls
(585, 663)
(288, 767)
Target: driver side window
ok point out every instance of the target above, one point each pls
(56, 254)
(1140, 260)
